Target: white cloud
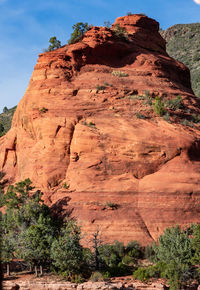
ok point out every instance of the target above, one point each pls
(197, 1)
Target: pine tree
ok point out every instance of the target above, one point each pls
(66, 251)
(54, 43)
(78, 31)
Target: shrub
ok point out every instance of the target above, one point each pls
(158, 107)
(129, 13)
(111, 205)
(141, 274)
(66, 186)
(43, 110)
(100, 87)
(133, 250)
(54, 43)
(129, 261)
(149, 253)
(166, 117)
(90, 124)
(185, 122)
(195, 118)
(120, 32)
(96, 277)
(118, 73)
(78, 31)
(174, 104)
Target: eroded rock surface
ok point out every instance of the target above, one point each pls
(30, 285)
(82, 135)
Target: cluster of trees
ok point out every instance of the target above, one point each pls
(175, 257)
(78, 31)
(32, 235)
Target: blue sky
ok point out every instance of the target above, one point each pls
(27, 25)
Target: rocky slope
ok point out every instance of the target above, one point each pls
(86, 134)
(183, 45)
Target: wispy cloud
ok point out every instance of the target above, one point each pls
(197, 1)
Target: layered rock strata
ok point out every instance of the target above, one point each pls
(86, 134)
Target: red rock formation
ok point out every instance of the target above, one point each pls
(79, 125)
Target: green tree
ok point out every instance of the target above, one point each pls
(54, 43)
(78, 31)
(8, 245)
(66, 251)
(35, 243)
(174, 249)
(28, 222)
(196, 244)
(5, 110)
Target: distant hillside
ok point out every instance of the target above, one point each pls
(183, 44)
(5, 121)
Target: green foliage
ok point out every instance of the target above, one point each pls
(66, 251)
(97, 277)
(174, 245)
(27, 225)
(141, 274)
(149, 253)
(158, 107)
(78, 31)
(195, 118)
(195, 243)
(155, 271)
(185, 122)
(117, 259)
(121, 32)
(1, 129)
(54, 43)
(43, 110)
(118, 73)
(174, 104)
(5, 110)
(5, 120)
(90, 124)
(111, 205)
(35, 241)
(133, 250)
(166, 117)
(100, 87)
(66, 186)
(183, 45)
(175, 249)
(129, 13)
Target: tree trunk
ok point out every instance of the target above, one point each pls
(41, 270)
(8, 269)
(36, 271)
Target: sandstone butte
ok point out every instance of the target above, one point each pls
(78, 134)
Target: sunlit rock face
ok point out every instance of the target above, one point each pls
(79, 135)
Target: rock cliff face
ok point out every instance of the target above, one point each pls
(85, 133)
